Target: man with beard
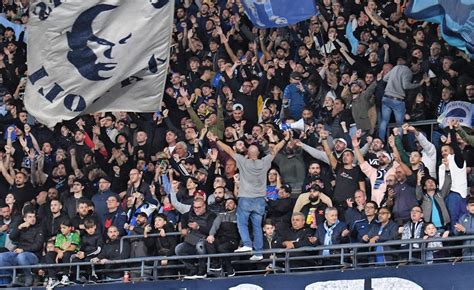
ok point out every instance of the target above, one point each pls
(279, 210)
(377, 177)
(292, 166)
(371, 150)
(218, 205)
(137, 246)
(79, 146)
(349, 178)
(313, 210)
(53, 220)
(111, 251)
(225, 229)
(340, 145)
(84, 213)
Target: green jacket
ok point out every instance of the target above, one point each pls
(217, 129)
(466, 137)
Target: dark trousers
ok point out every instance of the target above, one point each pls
(222, 246)
(185, 249)
(50, 258)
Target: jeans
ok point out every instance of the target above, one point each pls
(389, 105)
(14, 259)
(253, 208)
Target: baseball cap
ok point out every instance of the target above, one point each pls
(296, 76)
(238, 107)
(341, 140)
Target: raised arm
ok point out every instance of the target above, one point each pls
(221, 144)
(396, 156)
(6, 174)
(332, 160)
(356, 146)
(318, 154)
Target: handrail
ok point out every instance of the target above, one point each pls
(269, 251)
(431, 123)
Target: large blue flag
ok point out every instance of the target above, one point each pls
(278, 13)
(456, 19)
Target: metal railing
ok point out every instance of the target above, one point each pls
(431, 123)
(132, 237)
(282, 260)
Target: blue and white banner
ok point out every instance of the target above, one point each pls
(96, 55)
(458, 110)
(456, 19)
(278, 13)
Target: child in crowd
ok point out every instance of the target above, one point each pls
(66, 245)
(432, 233)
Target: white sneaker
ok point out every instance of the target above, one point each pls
(65, 280)
(243, 249)
(256, 258)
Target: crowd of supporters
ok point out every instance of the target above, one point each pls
(267, 138)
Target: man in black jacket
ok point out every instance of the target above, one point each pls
(111, 251)
(299, 236)
(29, 239)
(195, 226)
(225, 229)
(53, 220)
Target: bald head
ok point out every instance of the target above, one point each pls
(253, 152)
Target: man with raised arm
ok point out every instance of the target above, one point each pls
(252, 192)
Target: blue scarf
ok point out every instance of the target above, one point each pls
(328, 236)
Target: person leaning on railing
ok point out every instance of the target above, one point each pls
(164, 244)
(112, 251)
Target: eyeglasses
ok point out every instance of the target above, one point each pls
(416, 210)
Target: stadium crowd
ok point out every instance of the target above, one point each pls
(267, 138)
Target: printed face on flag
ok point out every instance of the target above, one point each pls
(92, 56)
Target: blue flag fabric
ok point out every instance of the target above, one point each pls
(278, 13)
(456, 19)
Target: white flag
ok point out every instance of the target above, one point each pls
(96, 55)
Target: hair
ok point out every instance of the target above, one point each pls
(386, 208)
(89, 223)
(329, 209)
(268, 222)
(295, 214)
(376, 206)
(66, 222)
(28, 212)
